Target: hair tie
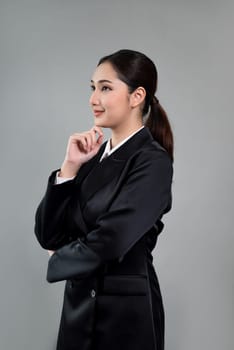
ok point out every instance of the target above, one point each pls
(154, 100)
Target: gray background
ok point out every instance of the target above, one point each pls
(49, 50)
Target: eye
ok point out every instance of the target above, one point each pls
(92, 87)
(104, 88)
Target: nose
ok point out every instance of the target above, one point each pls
(94, 98)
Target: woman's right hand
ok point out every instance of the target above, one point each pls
(81, 148)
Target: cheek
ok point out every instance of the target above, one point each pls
(117, 102)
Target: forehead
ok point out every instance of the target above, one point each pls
(104, 71)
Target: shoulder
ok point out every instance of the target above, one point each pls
(152, 152)
(151, 160)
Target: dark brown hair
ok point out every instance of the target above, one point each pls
(136, 69)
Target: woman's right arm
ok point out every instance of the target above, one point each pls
(50, 217)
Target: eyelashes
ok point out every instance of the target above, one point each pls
(104, 88)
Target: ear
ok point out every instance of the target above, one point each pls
(137, 96)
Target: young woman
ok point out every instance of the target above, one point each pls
(101, 213)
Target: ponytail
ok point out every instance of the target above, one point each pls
(159, 126)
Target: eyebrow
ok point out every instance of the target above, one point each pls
(102, 81)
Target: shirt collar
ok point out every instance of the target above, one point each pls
(108, 150)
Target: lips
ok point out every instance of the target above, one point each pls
(97, 112)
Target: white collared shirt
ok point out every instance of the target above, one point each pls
(109, 150)
(106, 153)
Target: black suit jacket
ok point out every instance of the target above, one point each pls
(103, 225)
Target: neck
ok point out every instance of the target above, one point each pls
(119, 134)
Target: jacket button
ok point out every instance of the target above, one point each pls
(93, 293)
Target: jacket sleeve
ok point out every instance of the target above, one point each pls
(50, 217)
(141, 200)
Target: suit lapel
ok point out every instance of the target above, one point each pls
(87, 167)
(94, 174)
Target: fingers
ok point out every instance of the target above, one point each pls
(79, 139)
(99, 140)
(88, 138)
(97, 129)
(93, 131)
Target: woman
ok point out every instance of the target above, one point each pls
(101, 214)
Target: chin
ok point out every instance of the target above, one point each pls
(102, 125)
